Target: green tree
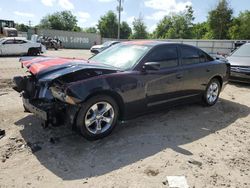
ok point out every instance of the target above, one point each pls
(126, 31)
(90, 30)
(200, 30)
(139, 29)
(176, 26)
(219, 20)
(22, 27)
(64, 20)
(108, 25)
(240, 28)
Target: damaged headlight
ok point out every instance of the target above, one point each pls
(60, 95)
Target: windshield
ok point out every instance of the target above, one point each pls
(106, 44)
(243, 51)
(123, 56)
(1, 40)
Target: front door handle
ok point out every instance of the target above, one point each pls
(179, 76)
(208, 70)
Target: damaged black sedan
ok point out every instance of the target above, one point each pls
(120, 83)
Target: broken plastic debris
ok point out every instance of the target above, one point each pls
(177, 182)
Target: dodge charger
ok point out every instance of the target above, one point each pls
(120, 83)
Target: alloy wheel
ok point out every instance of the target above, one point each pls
(99, 117)
(212, 92)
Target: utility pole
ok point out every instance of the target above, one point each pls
(29, 23)
(119, 9)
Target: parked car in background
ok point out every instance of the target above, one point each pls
(122, 82)
(240, 64)
(98, 48)
(20, 46)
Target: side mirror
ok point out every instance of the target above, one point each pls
(153, 66)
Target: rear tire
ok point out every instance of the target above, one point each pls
(97, 117)
(33, 52)
(212, 92)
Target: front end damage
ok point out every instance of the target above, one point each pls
(46, 92)
(45, 101)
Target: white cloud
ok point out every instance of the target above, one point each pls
(105, 1)
(48, 3)
(156, 16)
(24, 0)
(93, 24)
(165, 7)
(124, 13)
(83, 16)
(130, 20)
(24, 14)
(65, 4)
(152, 28)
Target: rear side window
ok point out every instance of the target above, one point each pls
(20, 41)
(9, 42)
(189, 55)
(167, 56)
(204, 57)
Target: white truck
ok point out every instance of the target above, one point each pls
(20, 46)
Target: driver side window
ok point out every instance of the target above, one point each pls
(166, 55)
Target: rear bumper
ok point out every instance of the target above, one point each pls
(240, 77)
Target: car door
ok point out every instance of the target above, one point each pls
(21, 46)
(195, 69)
(163, 85)
(8, 47)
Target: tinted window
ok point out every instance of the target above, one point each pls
(204, 57)
(166, 55)
(9, 42)
(20, 41)
(189, 55)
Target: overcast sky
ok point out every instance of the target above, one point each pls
(89, 11)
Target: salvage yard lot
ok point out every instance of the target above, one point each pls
(209, 146)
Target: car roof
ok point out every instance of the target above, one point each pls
(152, 42)
(14, 38)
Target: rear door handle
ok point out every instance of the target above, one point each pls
(208, 70)
(179, 76)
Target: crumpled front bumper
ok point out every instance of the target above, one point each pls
(35, 109)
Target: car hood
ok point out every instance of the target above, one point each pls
(97, 46)
(49, 68)
(239, 61)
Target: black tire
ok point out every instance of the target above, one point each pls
(206, 100)
(33, 52)
(85, 107)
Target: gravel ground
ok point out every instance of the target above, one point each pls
(209, 146)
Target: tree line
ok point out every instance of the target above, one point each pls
(220, 24)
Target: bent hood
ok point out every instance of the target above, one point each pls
(49, 68)
(97, 47)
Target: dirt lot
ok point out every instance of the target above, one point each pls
(209, 146)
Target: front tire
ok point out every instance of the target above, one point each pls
(97, 117)
(212, 92)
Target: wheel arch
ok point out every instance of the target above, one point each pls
(118, 99)
(219, 78)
